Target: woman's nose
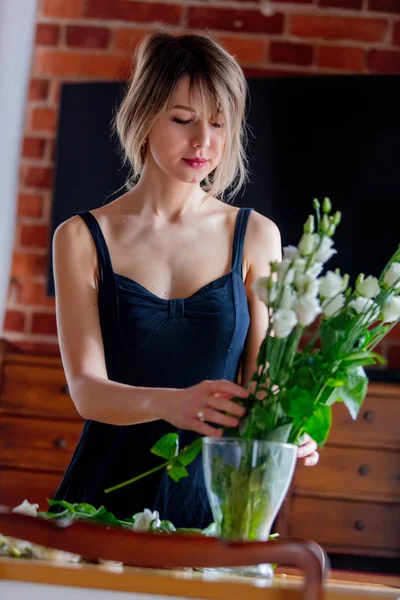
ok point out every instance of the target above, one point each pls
(201, 137)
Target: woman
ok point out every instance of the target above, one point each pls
(155, 312)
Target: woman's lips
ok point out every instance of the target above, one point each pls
(195, 164)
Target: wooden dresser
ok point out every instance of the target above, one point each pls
(349, 503)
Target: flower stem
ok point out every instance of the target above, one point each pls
(124, 483)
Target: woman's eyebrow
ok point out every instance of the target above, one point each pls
(184, 107)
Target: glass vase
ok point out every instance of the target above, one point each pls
(246, 482)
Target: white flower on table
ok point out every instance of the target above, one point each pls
(26, 508)
(368, 287)
(284, 321)
(392, 276)
(391, 310)
(144, 519)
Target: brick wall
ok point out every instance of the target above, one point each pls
(94, 39)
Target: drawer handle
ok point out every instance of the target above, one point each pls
(359, 525)
(65, 389)
(364, 470)
(60, 442)
(369, 416)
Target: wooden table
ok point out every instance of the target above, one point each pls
(33, 580)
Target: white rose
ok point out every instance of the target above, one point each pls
(287, 298)
(143, 520)
(369, 287)
(284, 272)
(330, 285)
(284, 322)
(290, 252)
(299, 265)
(392, 275)
(259, 287)
(308, 243)
(365, 305)
(315, 269)
(331, 306)
(391, 310)
(307, 308)
(26, 508)
(325, 250)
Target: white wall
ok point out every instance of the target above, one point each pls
(17, 26)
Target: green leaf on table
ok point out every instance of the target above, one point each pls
(177, 471)
(86, 509)
(353, 392)
(188, 454)
(62, 504)
(167, 447)
(166, 526)
(319, 423)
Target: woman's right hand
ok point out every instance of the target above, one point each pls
(206, 402)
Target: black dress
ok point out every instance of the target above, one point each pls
(153, 342)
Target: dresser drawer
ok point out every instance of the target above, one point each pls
(16, 486)
(352, 473)
(37, 444)
(36, 390)
(338, 525)
(377, 424)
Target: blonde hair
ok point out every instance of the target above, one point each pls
(216, 81)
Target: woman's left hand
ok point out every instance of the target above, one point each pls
(308, 451)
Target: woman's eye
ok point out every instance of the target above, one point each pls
(180, 121)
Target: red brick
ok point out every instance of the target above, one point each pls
(44, 118)
(14, 320)
(396, 33)
(44, 323)
(394, 357)
(47, 34)
(295, 54)
(35, 236)
(46, 349)
(229, 19)
(140, 12)
(349, 4)
(64, 9)
(383, 61)
(34, 294)
(245, 50)
(271, 72)
(25, 265)
(33, 147)
(295, 1)
(30, 205)
(338, 28)
(340, 57)
(126, 40)
(38, 89)
(76, 64)
(388, 6)
(88, 37)
(40, 177)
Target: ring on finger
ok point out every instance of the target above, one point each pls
(200, 416)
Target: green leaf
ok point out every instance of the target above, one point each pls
(297, 402)
(62, 503)
(86, 509)
(353, 392)
(167, 447)
(167, 526)
(280, 434)
(188, 454)
(177, 471)
(319, 423)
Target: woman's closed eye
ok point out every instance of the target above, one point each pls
(181, 122)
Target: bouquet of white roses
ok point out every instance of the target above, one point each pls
(292, 390)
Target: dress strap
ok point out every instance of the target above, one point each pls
(103, 255)
(238, 239)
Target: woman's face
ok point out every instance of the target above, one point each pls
(177, 139)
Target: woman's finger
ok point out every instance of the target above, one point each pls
(312, 460)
